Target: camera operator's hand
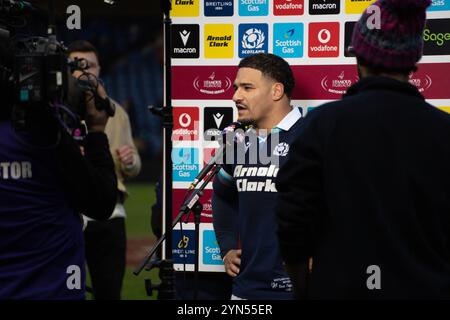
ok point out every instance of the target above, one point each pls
(95, 119)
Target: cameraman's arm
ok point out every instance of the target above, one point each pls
(91, 178)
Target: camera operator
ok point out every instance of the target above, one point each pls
(46, 181)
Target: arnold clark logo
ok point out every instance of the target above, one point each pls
(288, 40)
(218, 8)
(219, 41)
(439, 5)
(253, 7)
(337, 84)
(212, 84)
(288, 7)
(252, 39)
(185, 164)
(323, 39)
(324, 6)
(211, 250)
(357, 6)
(185, 8)
(436, 37)
(422, 83)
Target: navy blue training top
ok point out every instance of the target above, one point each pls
(262, 275)
(41, 241)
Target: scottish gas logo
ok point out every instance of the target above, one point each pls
(253, 39)
(211, 250)
(253, 7)
(439, 5)
(288, 40)
(185, 164)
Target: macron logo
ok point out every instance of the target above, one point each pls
(218, 119)
(185, 36)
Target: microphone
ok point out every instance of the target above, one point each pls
(219, 154)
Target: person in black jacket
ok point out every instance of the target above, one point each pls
(366, 191)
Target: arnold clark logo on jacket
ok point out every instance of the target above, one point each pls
(185, 8)
(253, 7)
(185, 164)
(288, 40)
(186, 123)
(436, 37)
(323, 39)
(357, 6)
(185, 41)
(253, 39)
(288, 7)
(220, 8)
(324, 7)
(219, 41)
(439, 5)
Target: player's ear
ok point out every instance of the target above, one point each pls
(277, 91)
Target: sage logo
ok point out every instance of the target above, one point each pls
(288, 7)
(253, 39)
(186, 41)
(215, 120)
(436, 37)
(219, 8)
(185, 164)
(288, 40)
(323, 39)
(439, 5)
(253, 7)
(324, 7)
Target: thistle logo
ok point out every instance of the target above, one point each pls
(253, 7)
(439, 5)
(281, 150)
(212, 85)
(215, 120)
(218, 8)
(252, 39)
(185, 41)
(422, 83)
(219, 41)
(288, 7)
(323, 40)
(337, 84)
(357, 6)
(436, 37)
(186, 123)
(185, 8)
(185, 164)
(288, 40)
(324, 7)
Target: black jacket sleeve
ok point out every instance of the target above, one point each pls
(225, 214)
(300, 193)
(90, 179)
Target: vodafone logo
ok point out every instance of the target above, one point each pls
(288, 7)
(186, 124)
(185, 120)
(324, 36)
(324, 40)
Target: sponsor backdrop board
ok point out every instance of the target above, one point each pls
(210, 37)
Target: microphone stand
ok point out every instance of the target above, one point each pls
(192, 203)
